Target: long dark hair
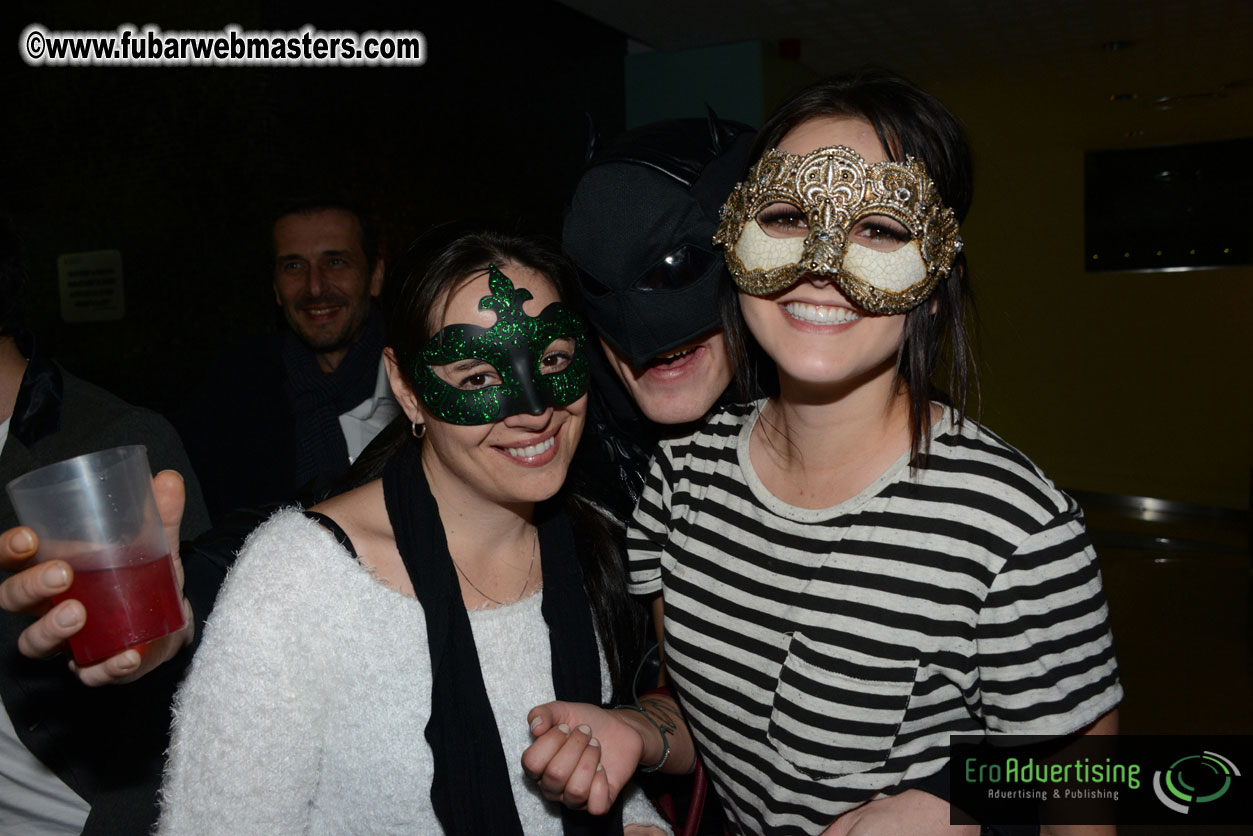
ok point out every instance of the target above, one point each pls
(908, 122)
(435, 264)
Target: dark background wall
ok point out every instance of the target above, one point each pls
(180, 168)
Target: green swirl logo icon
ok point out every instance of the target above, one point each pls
(1194, 779)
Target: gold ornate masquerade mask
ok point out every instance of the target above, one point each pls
(878, 229)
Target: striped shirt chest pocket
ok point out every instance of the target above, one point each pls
(833, 716)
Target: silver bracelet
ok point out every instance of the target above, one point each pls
(664, 731)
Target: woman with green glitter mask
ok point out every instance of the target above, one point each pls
(369, 665)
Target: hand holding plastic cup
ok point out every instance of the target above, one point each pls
(98, 514)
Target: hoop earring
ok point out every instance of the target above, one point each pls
(415, 432)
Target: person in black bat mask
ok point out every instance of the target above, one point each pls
(640, 230)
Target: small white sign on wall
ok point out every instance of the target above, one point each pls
(91, 286)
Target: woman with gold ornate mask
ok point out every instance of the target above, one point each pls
(851, 570)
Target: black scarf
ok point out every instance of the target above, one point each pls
(471, 790)
(318, 398)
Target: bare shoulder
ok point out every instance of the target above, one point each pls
(362, 514)
(355, 509)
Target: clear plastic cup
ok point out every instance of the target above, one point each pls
(98, 514)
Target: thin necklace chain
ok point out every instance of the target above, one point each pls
(525, 584)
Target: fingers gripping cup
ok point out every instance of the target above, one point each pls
(98, 514)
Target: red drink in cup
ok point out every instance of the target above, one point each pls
(129, 604)
(98, 514)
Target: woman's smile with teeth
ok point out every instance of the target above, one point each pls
(531, 450)
(821, 314)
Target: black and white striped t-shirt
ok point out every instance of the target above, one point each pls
(824, 656)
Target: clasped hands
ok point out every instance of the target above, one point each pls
(584, 755)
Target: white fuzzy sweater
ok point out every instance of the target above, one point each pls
(305, 707)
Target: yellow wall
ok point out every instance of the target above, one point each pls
(1133, 383)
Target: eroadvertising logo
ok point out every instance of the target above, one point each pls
(1130, 779)
(1194, 779)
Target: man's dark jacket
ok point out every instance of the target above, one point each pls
(107, 744)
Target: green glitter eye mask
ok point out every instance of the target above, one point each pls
(515, 347)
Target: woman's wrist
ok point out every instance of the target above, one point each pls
(665, 741)
(654, 736)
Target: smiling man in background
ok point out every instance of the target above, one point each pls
(284, 416)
